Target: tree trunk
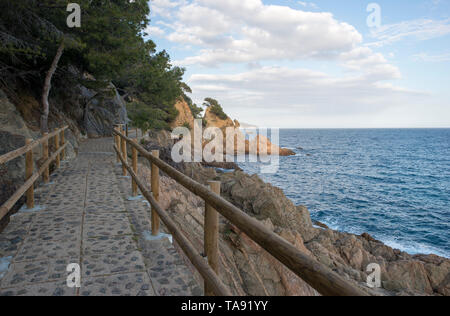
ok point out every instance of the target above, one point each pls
(48, 86)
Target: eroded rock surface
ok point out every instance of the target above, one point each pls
(249, 270)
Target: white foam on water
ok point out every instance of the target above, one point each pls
(415, 248)
(412, 248)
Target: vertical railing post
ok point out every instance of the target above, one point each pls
(124, 156)
(63, 142)
(29, 166)
(211, 242)
(126, 130)
(134, 186)
(155, 191)
(46, 175)
(58, 158)
(118, 143)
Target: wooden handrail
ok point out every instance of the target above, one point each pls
(23, 150)
(317, 275)
(197, 260)
(8, 205)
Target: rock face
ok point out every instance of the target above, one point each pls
(262, 144)
(249, 270)
(13, 132)
(184, 114)
(102, 112)
(83, 110)
(244, 266)
(213, 120)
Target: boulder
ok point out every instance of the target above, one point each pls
(102, 111)
(13, 132)
(406, 275)
(438, 271)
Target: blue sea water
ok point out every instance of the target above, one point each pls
(391, 183)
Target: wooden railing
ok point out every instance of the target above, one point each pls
(30, 176)
(318, 276)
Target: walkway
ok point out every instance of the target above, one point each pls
(89, 221)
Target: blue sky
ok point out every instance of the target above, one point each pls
(313, 64)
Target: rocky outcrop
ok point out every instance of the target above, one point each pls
(245, 267)
(212, 120)
(14, 130)
(249, 270)
(262, 144)
(102, 111)
(185, 116)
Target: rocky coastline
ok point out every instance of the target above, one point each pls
(249, 270)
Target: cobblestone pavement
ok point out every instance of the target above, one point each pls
(88, 221)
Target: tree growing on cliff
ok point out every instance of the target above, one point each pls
(215, 108)
(111, 46)
(195, 109)
(27, 39)
(48, 86)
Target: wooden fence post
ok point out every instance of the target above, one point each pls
(46, 174)
(155, 191)
(63, 142)
(125, 156)
(29, 166)
(58, 158)
(135, 169)
(118, 143)
(211, 242)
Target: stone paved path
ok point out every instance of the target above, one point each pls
(89, 221)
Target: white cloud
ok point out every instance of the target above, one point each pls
(164, 8)
(253, 34)
(375, 65)
(432, 58)
(298, 93)
(420, 29)
(154, 31)
(250, 31)
(308, 4)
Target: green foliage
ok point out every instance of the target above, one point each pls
(187, 125)
(146, 118)
(215, 108)
(109, 45)
(195, 110)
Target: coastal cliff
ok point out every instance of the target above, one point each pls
(261, 143)
(184, 116)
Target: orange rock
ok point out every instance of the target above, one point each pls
(184, 114)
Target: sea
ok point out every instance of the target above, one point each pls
(391, 183)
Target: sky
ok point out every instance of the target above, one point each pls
(320, 64)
